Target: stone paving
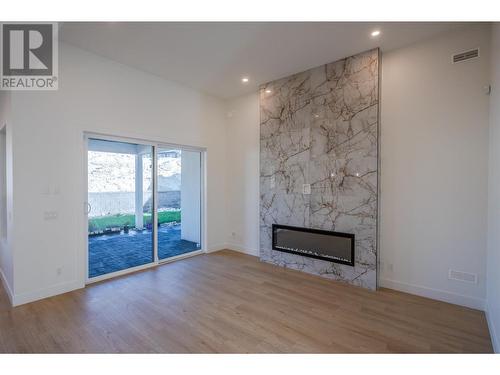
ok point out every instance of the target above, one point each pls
(115, 252)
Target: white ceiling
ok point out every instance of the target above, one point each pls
(213, 57)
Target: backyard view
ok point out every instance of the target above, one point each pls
(122, 221)
(120, 198)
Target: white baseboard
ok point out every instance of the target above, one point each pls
(7, 287)
(243, 249)
(437, 294)
(214, 248)
(492, 329)
(54, 290)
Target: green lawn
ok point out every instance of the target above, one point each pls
(101, 223)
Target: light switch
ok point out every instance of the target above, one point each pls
(306, 189)
(50, 215)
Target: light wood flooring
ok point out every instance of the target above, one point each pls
(227, 302)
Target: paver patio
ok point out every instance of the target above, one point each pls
(115, 252)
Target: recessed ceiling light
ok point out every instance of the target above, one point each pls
(375, 33)
(268, 91)
(245, 80)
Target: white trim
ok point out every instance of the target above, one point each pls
(214, 248)
(178, 146)
(243, 249)
(54, 290)
(436, 294)
(492, 329)
(86, 208)
(142, 141)
(126, 271)
(142, 267)
(180, 256)
(155, 145)
(7, 287)
(204, 200)
(119, 139)
(154, 214)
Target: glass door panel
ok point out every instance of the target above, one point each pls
(120, 200)
(179, 202)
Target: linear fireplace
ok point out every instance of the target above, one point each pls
(327, 245)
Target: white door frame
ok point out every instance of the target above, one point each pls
(155, 145)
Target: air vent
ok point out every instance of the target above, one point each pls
(467, 55)
(462, 276)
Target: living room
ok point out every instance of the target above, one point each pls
(270, 187)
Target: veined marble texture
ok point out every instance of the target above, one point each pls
(320, 127)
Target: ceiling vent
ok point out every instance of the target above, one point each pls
(464, 56)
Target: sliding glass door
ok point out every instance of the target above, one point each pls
(144, 205)
(120, 197)
(179, 202)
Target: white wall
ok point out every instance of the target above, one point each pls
(6, 250)
(3, 184)
(190, 196)
(243, 174)
(434, 150)
(102, 96)
(434, 160)
(493, 260)
(434, 154)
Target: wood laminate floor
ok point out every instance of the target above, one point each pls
(228, 302)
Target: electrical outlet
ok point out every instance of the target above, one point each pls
(59, 271)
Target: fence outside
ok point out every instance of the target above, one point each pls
(106, 204)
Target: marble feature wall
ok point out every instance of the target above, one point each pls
(320, 127)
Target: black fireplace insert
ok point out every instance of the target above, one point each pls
(327, 245)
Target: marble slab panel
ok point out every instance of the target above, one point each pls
(320, 127)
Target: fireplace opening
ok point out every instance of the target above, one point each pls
(327, 245)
